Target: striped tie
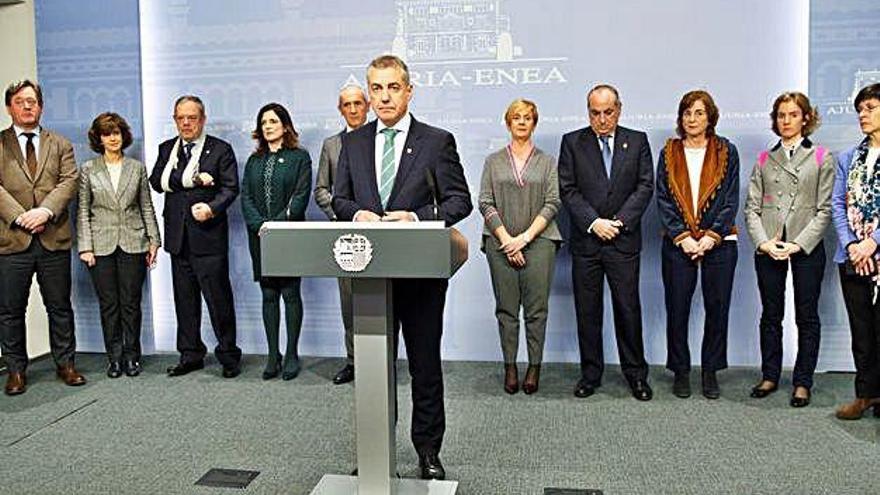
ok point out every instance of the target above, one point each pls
(386, 182)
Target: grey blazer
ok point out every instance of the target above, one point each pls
(107, 219)
(793, 195)
(327, 174)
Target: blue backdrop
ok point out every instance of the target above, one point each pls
(469, 59)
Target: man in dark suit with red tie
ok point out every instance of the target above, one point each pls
(382, 176)
(199, 176)
(606, 180)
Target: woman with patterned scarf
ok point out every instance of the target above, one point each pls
(855, 211)
(275, 187)
(697, 197)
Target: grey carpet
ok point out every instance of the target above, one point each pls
(157, 435)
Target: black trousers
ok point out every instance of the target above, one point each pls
(588, 277)
(194, 276)
(119, 279)
(807, 271)
(53, 275)
(864, 324)
(418, 308)
(679, 282)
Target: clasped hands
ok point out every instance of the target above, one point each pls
(861, 255)
(606, 229)
(390, 216)
(512, 247)
(779, 250)
(33, 220)
(695, 249)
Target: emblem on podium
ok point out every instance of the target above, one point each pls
(352, 252)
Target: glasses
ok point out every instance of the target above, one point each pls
(25, 102)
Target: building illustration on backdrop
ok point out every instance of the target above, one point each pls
(433, 30)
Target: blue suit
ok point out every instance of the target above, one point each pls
(418, 303)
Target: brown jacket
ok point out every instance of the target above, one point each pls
(53, 188)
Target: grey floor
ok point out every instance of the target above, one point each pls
(157, 435)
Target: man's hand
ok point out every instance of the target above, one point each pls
(88, 258)
(366, 216)
(151, 256)
(866, 268)
(33, 219)
(398, 216)
(607, 229)
(202, 212)
(203, 179)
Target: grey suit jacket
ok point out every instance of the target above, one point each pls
(794, 195)
(107, 219)
(327, 173)
(53, 187)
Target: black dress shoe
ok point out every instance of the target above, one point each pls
(710, 385)
(584, 389)
(183, 368)
(345, 375)
(681, 384)
(641, 390)
(231, 371)
(430, 467)
(759, 393)
(133, 368)
(801, 401)
(114, 369)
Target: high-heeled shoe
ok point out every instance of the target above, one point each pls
(800, 401)
(273, 367)
(533, 375)
(291, 368)
(759, 392)
(511, 379)
(856, 408)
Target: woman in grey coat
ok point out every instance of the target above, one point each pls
(117, 238)
(787, 211)
(519, 198)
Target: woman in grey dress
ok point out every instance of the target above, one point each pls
(519, 198)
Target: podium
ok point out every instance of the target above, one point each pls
(371, 254)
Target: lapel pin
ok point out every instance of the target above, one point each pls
(409, 151)
(207, 152)
(625, 145)
(281, 160)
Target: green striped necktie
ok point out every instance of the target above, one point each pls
(386, 182)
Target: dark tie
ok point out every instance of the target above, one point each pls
(606, 154)
(187, 151)
(31, 154)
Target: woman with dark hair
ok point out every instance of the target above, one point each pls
(697, 196)
(276, 186)
(519, 199)
(787, 210)
(117, 238)
(855, 211)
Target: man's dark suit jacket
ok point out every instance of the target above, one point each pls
(426, 148)
(588, 193)
(211, 236)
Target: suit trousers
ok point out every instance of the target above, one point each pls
(679, 282)
(205, 275)
(53, 276)
(588, 273)
(418, 309)
(347, 317)
(527, 288)
(864, 324)
(807, 271)
(118, 279)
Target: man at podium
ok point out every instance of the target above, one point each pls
(398, 169)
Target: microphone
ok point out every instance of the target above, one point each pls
(432, 185)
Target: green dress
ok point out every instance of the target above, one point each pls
(276, 187)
